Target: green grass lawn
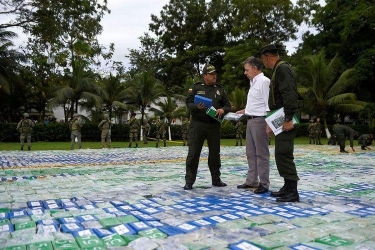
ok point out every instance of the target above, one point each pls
(96, 145)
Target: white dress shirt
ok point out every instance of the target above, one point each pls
(257, 98)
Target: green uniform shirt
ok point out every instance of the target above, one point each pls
(214, 92)
(284, 89)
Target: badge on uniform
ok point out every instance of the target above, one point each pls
(201, 92)
(217, 92)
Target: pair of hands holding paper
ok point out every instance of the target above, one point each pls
(219, 112)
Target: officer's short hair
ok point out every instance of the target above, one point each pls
(253, 61)
(26, 115)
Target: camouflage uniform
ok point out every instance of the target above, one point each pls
(311, 131)
(133, 130)
(161, 132)
(318, 132)
(146, 129)
(185, 131)
(25, 127)
(239, 132)
(75, 126)
(105, 126)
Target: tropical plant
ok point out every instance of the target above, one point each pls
(113, 94)
(167, 107)
(238, 98)
(324, 89)
(368, 114)
(80, 89)
(143, 90)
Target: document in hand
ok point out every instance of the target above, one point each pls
(276, 119)
(200, 99)
(212, 112)
(232, 116)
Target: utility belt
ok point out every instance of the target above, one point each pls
(203, 119)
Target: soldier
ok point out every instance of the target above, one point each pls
(344, 131)
(146, 130)
(185, 131)
(25, 127)
(318, 131)
(239, 132)
(75, 126)
(365, 140)
(311, 131)
(133, 130)
(161, 131)
(105, 126)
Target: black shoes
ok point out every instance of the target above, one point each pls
(343, 151)
(246, 186)
(279, 193)
(188, 186)
(290, 196)
(219, 184)
(260, 190)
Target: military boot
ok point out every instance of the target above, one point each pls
(130, 145)
(136, 145)
(21, 148)
(281, 192)
(165, 144)
(291, 193)
(29, 148)
(157, 144)
(236, 143)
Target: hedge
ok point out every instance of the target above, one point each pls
(120, 132)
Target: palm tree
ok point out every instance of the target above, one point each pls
(238, 98)
(323, 88)
(9, 59)
(368, 113)
(144, 90)
(168, 108)
(114, 93)
(80, 90)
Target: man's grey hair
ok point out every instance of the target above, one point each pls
(253, 61)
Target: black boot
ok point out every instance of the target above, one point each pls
(136, 145)
(281, 192)
(21, 148)
(157, 144)
(236, 143)
(130, 145)
(165, 144)
(292, 193)
(29, 148)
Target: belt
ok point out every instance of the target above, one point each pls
(204, 120)
(254, 116)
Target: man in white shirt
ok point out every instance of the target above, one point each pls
(257, 151)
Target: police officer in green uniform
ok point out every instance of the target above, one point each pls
(283, 93)
(161, 132)
(204, 127)
(134, 127)
(239, 132)
(105, 127)
(185, 131)
(25, 127)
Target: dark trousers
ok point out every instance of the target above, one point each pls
(198, 132)
(284, 148)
